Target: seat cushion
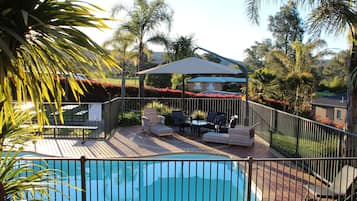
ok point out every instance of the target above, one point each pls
(161, 130)
(215, 137)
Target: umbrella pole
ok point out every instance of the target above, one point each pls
(183, 94)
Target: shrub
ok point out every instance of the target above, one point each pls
(198, 114)
(161, 109)
(129, 118)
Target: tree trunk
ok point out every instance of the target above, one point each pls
(123, 74)
(140, 67)
(2, 192)
(351, 120)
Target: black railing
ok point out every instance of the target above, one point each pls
(197, 179)
(76, 123)
(291, 135)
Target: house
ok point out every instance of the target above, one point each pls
(330, 109)
(199, 84)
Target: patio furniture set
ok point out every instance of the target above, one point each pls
(216, 123)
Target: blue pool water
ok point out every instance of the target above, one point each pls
(154, 178)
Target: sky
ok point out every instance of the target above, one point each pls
(221, 26)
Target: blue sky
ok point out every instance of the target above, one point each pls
(220, 26)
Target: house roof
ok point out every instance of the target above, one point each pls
(331, 101)
(217, 79)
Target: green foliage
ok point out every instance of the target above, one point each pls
(180, 48)
(158, 80)
(18, 179)
(143, 21)
(21, 179)
(255, 55)
(286, 27)
(198, 114)
(176, 81)
(15, 129)
(307, 147)
(129, 118)
(41, 40)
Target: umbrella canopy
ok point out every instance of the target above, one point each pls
(190, 66)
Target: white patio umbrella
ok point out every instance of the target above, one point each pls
(191, 66)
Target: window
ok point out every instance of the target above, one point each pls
(210, 86)
(197, 86)
(339, 114)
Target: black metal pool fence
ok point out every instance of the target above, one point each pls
(291, 135)
(198, 180)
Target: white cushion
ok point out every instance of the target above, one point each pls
(161, 130)
(215, 137)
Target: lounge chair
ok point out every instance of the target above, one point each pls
(240, 135)
(339, 187)
(153, 123)
(179, 120)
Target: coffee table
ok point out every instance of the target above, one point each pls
(197, 124)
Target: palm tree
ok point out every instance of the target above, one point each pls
(142, 21)
(39, 39)
(333, 16)
(18, 179)
(297, 71)
(122, 49)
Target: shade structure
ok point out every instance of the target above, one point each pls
(191, 66)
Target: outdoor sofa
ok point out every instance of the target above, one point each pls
(239, 135)
(155, 124)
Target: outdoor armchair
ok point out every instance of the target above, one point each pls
(339, 188)
(179, 119)
(215, 119)
(153, 123)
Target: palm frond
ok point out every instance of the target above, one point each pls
(333, 17)
(39, 40)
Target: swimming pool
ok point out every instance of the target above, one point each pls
(166, 177)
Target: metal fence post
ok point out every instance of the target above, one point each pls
(297, 135)
(249, 186)
(83, 178)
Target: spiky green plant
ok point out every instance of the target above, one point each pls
(40, 39)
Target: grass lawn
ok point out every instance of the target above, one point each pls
(307, 147)
(129, 81)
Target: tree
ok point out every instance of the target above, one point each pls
(256, 54)
(178, 49)
(123, 50)
(333, 16)
(335, 72)
(296, 72)
(287, 27)
(142, 21)
(39, 39)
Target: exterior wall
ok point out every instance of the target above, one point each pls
(343, 116)
(322, 113)
(330, 114)
(204, 86)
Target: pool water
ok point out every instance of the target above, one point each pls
(156, 179)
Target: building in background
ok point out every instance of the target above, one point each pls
(330, 110)
(199, 84)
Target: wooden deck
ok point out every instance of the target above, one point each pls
(133, 142)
